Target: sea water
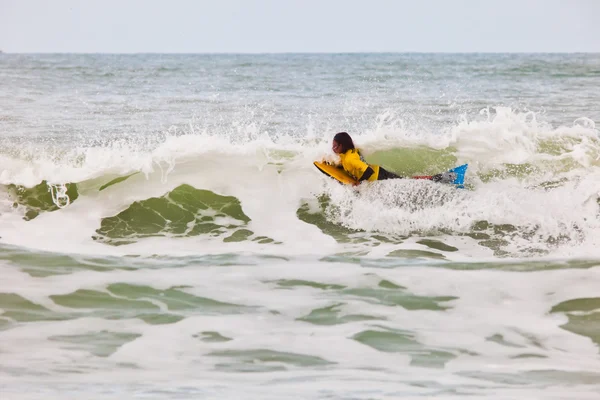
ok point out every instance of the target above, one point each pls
(164, 234)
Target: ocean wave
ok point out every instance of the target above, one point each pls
(531, 188)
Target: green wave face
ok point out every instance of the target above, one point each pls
(324, 215)
(41, 197)
(415, 161)
(115, 181)
(183, 212)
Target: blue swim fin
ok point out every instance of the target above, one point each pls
(460, 172)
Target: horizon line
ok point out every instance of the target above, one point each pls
(297, 52)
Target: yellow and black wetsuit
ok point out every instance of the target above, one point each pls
(355, 165)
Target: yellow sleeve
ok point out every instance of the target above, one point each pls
(354, 165)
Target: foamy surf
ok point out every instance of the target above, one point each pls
(532, 189)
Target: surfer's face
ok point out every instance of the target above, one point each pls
(336, 147)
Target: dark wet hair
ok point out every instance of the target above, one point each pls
(344, 140)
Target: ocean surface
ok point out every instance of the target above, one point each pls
(165, 235)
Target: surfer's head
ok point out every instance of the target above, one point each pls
(342, 142)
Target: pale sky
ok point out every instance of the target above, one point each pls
(275, 26)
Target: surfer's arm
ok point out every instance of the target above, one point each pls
(367, 174)
(353, 165)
